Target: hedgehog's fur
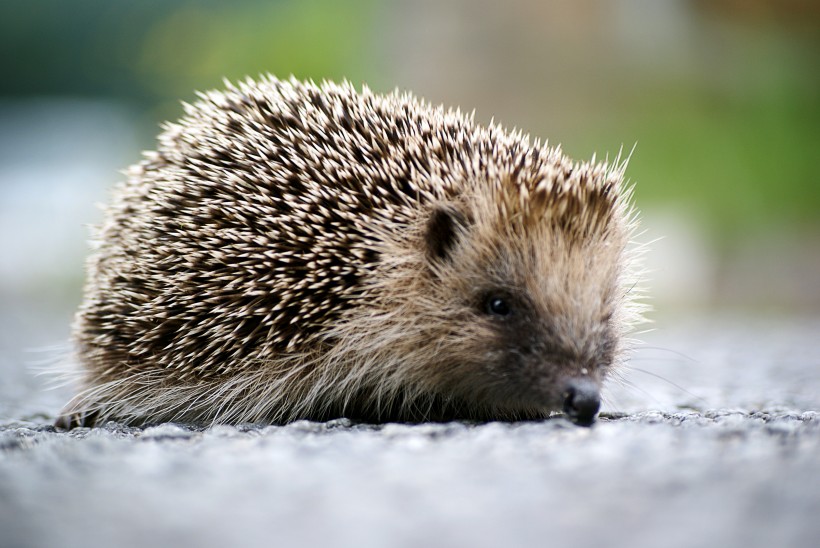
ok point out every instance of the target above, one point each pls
(300, 251)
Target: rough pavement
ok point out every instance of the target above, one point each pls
(724, 451)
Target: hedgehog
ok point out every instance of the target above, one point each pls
(300, 251)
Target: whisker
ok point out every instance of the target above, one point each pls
(653, 359)
(632, 386)
(662, 378)
(669, 350)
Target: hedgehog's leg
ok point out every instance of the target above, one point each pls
(78, 413)
(73, 418)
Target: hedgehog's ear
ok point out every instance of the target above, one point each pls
(443, 228)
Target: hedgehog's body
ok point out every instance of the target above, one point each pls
(293, 251)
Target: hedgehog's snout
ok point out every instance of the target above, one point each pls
(582, 401)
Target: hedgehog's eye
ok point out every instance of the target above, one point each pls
(497, 306)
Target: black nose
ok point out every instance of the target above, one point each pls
(581, 401)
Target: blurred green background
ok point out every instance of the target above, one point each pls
(721, 99)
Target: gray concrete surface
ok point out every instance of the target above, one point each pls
(713, 440)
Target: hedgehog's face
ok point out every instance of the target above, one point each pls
(533, 315)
